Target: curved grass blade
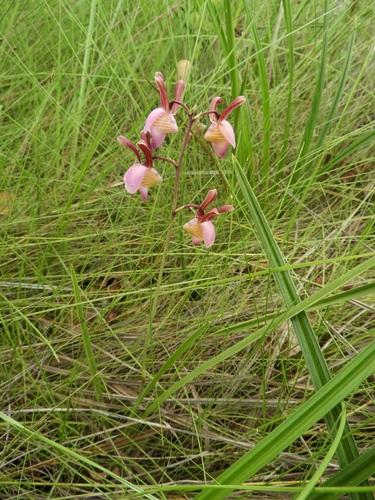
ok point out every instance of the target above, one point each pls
(323, 401)
(231, 351)
(59, 448)
(347, 450)
(311, 122)
(265, 92)
(305, 494)
(169, 363)
(288, 117)
(362, 468)
(362, 141)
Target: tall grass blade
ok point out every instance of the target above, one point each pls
(91, 362)
(339, 92)
(359, 470)
(231, 49)
(253, 337)
(64, 450)
(265, 93)
(315, 106)
(288, 113)
(305, 495)
(227, 41)
(347, 450)
(85, 72)
(323, 401)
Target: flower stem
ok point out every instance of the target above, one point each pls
(155, 295)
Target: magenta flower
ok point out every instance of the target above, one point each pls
(201, 227)
(140, 176)
(161, 121)
(220, 133)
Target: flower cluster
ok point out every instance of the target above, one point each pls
(160, 122)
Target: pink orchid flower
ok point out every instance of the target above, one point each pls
(201, 227)
(140, 176)
(220, 133)
(161, 121)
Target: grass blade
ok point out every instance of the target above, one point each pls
(71, 453)
(231, 49)
(310, 125)
(288, 116)
(347, 450)
(91, 363)
(338, 94)
(345, 382)
(265, 93)
(227, 40)
(359, 470)
(276, 321)
(325, 462)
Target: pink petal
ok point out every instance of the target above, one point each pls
(208, 233)
(237, 102)
(144, 192)
(134, 177)
(128, 144)
(157, 137)
(220, 148)
(211, 195)
(154, 115)
(160, 123)
(164, 101)
(215, 101)
(227, 130)
(178, 91)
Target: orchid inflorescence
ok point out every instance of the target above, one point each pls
(160, 122)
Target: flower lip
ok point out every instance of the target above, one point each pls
(134, 176)
(201, 231)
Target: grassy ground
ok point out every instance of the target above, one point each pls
(129, 372)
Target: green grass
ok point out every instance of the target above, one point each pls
(135, 365)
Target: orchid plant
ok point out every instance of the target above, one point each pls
(160, 122)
